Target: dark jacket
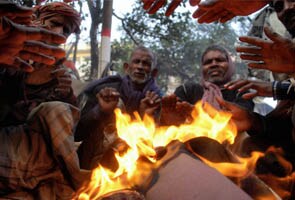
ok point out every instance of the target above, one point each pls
(192, 92)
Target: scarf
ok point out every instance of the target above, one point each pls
(211, 90)
(59, 8)
(132, 94)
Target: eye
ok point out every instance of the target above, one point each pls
(278, 6)
(206, 62)
(66, 31)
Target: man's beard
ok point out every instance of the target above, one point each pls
(138, 80)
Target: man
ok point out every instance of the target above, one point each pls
(276, 128)
(216, 69)
(47, 82)
(135, 92)
(38, 154)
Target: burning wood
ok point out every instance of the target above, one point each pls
(145, 157)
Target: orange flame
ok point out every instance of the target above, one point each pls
(240, 170)
(142, 136)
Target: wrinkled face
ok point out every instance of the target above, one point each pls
(286, 13)
(140, 66)
(57, 24)
(214, 66)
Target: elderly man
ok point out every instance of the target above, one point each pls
(135, 92)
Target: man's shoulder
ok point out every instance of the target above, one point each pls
(192, 85)
(109, 81)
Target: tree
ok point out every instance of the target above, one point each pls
(95, 9)
(178, 40)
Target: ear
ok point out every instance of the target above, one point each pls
(125, 66)
(154, 72)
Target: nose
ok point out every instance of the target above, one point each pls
(214, 63)
(139, 65)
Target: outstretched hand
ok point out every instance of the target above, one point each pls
(258, 88)
(224, 10)
(241, 117)
(16, 45)
(108, 99)
(64, 81)
(150, 103)
(16, 13)
(276, 54)
(175, 112)
(152, 6)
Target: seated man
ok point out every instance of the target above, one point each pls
(136, 91)
(38, 155)
(217, 69)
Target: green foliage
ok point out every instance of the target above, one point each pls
(178, 41)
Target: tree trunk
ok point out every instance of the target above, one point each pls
(94, 51)
(96, 19)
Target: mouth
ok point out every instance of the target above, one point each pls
(139, 75)
(214, 73)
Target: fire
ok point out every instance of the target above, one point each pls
(143, 136)
(239, 170)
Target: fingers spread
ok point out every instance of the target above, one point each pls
(257, 65)
(251, 50)
(41, 34)
(274, 36)
(251, 57)
(227, 17)
(194, 2)
(147, 4)
(156, 6)
(172, 6)
(254, 41)
(40, 47)
(39, 58)
(21, 64)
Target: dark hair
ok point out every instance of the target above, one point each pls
(215, 47)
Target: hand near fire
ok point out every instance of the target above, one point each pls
(149, 104)
(175, 112)
(241, 117)
(223, 10)
(276, 54)
(259, 88)
(19, 43)
(108, 99)
(152, 6)
(64, 80)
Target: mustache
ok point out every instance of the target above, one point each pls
(215, 70)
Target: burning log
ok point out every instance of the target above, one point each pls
(155, 165)
(183, 176)
(123, 195)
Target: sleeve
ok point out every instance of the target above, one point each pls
(11, 85)
(91, 118)
(190, 92)
(245, 103)
(276, 126)
(283, 90)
